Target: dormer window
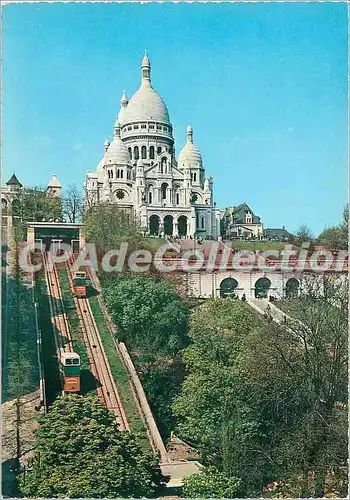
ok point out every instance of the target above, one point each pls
(248, 218)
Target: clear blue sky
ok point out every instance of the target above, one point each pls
(263, 85)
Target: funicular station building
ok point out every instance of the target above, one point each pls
(46, 234)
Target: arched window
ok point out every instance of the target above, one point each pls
(177, 199)
(163, 190)
(194, 177)
(136, 153)
(151, 152)
(159, 150)
(130, 153)
(143, 152)
(111, 174)
(118, 173)
(121, 174)
(150, 197)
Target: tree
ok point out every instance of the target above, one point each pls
(149, 313)
(263, 403)
(152, 320)
(33, 205)
(72, 206)
(336, 237)
(107, 226)
(211, 483)
(80, 452)
(304, 233)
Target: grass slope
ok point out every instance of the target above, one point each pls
(119, 373)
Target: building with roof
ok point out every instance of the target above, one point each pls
(241, 222)
(54, 187)
(12, 191)
(139, 170)
(278, 234)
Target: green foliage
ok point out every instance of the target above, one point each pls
(152, 321)
(261, 403)
(120, 375)
(149, 313)
(33, 205)
(211, 483)
(82, 453)
(336, 237)
(107, 226)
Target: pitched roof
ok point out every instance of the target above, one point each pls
(54, 182)
(239, 214)
(277, 233)
(13, 181)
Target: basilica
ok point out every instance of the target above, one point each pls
(139, 171)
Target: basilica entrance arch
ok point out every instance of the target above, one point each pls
(182, 225)
(262, 287)
(168, 225)
(228, 287)
(154, 224)
(292, 288)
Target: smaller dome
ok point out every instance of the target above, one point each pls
(190, 154)
(117, 153)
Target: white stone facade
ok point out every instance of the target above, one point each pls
(139, 170)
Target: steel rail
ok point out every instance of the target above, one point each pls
(107, 391)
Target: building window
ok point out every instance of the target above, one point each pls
(151, 126)
(165, 128)
(130, 153)
(194, 177)
(151, 152)
(143, 152)
(136, 153)
(177, 199)
(159, 150)
(129, 127)
(159, 127)
(136, 127)
(163, 190)
(120, 194)
(150, 197)
(121, 174)
(248, 218)
(143, 125)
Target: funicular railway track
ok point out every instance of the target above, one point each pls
(62, 334)
(107, 390)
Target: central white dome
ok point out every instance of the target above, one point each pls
(146, 103)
